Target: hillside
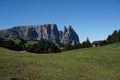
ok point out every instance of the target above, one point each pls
(101, 63)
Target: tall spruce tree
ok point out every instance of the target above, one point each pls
(86, 44)
(119, 35)
(109, 39)
(115, 36)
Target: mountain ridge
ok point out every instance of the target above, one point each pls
(48, 32)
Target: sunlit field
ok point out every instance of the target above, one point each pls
(100, 63)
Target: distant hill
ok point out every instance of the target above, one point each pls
(48, 32)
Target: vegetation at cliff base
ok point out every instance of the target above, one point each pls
(37, 46)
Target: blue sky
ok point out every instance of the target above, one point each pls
(95, 19)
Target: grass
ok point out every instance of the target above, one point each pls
(31, 42)
(101, 63)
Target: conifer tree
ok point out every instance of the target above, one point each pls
(86, 44)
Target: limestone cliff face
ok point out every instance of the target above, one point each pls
(48, 32)
(69, 35)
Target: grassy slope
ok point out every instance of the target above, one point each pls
(102, 63)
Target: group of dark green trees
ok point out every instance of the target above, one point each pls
(21, 45)
(114, 37)
(41, 46)
(11, 44)
(84, 44)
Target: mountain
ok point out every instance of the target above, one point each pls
(48, 32)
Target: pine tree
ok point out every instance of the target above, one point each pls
(86, 44)
(77, 45)
(115, 36)
(109, 39)
(119, 35)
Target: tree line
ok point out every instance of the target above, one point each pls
(41, 46)
(114, 37)
(21, 45)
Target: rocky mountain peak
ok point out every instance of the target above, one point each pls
(69, 36)
(48, 32)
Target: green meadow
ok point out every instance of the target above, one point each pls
(100, 63)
